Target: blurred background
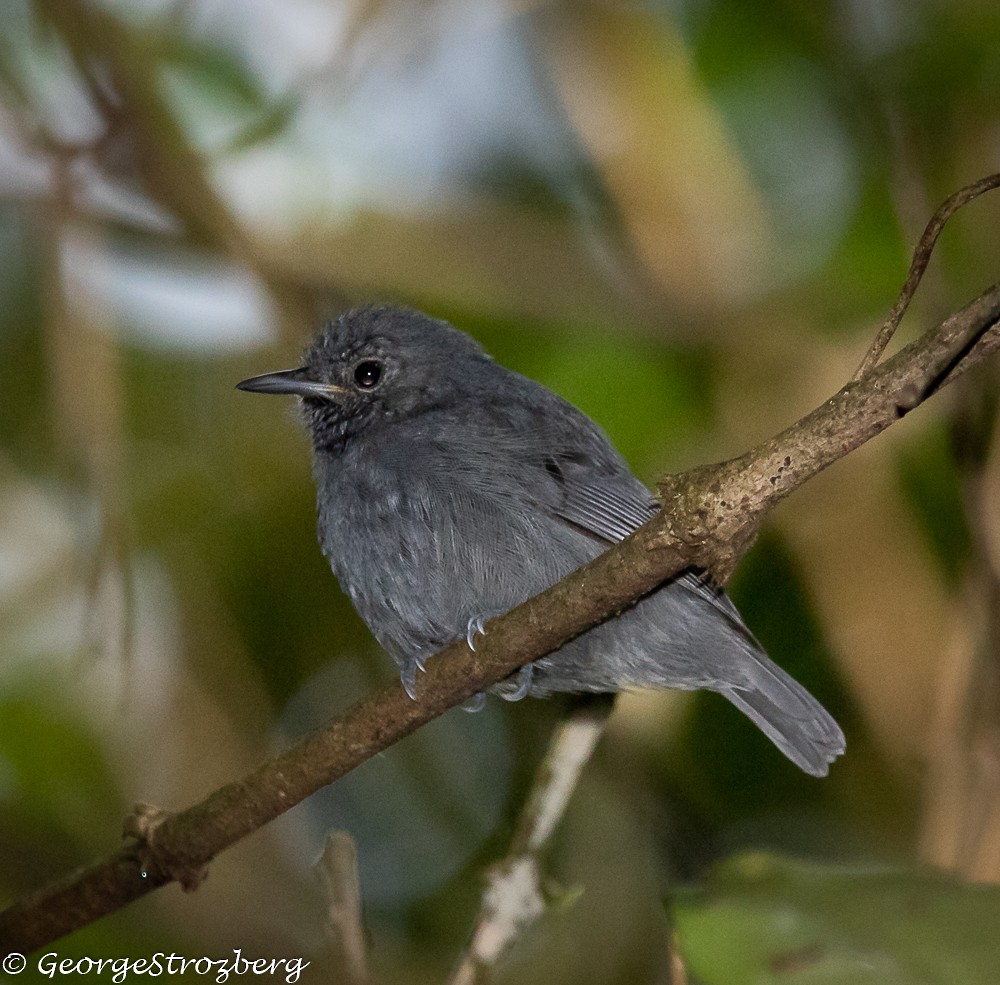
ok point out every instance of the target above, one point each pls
(688, 217)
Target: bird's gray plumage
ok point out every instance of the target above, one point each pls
(454, 489)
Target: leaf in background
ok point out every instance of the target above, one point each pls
(652, 400)
(930, 482)
(58, 799)
(764, 919)
(224, 107)
(268, 125)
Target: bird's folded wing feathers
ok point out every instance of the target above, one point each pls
(603, 498)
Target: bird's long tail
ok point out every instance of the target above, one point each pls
(788, 715)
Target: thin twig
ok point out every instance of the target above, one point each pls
(678, 971)
(338, 871)
(513, 899)
(921, 257)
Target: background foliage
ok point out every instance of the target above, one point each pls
(687, 217)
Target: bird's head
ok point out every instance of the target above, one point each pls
(376, 364)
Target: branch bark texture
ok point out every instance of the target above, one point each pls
(711, 515)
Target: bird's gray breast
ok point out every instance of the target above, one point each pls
(424, 538)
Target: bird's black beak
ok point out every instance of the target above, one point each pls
(292, 381)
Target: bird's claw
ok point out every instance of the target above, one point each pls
(476, 703)
(515, 690)
(476, 626)
(408, 675)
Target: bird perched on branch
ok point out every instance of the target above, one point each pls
(451, 489)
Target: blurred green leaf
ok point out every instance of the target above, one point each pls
(870, 265)
(763, 919)
(650, 399)
(57, 799)
(271, 122)
(214, 70)
(930, 482)
(224, 106)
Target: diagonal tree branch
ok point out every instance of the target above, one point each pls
(710, 516)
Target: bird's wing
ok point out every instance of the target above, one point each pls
(592, 488)
(589, 492)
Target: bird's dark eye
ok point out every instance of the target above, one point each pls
(368, 374)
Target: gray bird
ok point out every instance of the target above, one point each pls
(451, 489)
